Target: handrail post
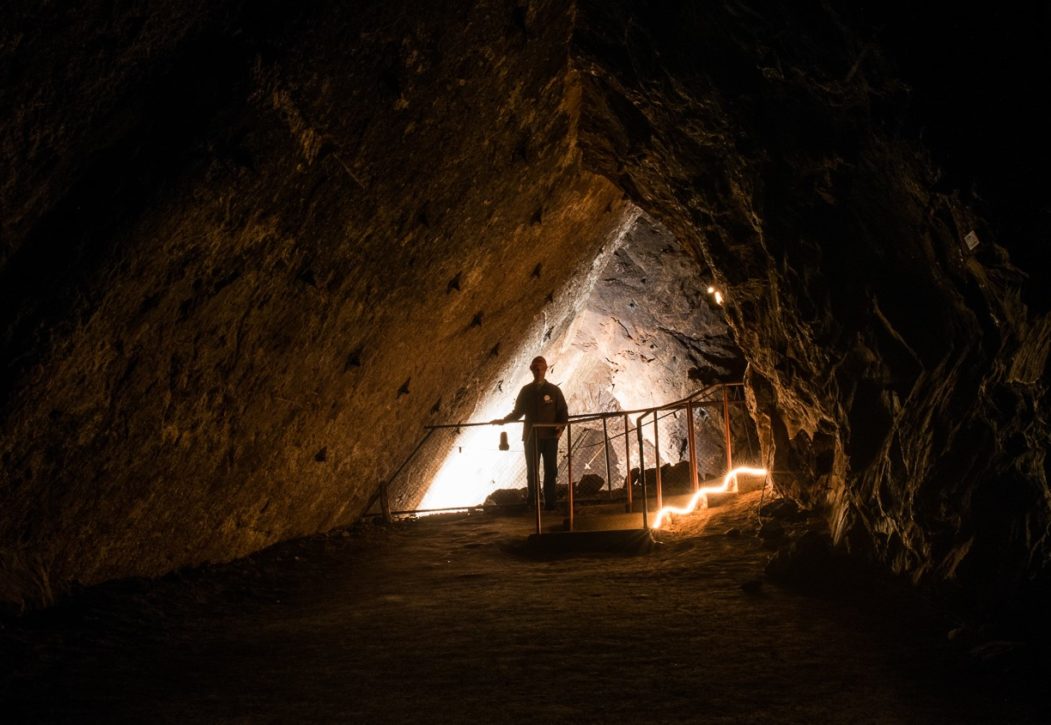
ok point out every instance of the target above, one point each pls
(694, 484)
(726, 425)
(605, 449)
(536, 478)
(642, 475)
(569, 465)
(385, 504)
(627, 463)
(657, 458)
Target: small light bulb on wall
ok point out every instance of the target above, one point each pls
(716, 294)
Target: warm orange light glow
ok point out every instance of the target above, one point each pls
(703, 492)
(717, 294)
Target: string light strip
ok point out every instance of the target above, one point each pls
(724, 487)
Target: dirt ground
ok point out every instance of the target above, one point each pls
(455, 619)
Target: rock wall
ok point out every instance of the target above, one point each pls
(898, 377)
(651, 334)
(249, 250)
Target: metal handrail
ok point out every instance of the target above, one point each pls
(674, 405)
(586, 417)
(688, 402)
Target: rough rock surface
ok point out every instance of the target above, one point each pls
(896, 375)
(232, 281)
(651, 334)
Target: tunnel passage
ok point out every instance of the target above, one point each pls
(228, 307)
(640, 330)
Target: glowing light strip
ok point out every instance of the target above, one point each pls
(722, 488)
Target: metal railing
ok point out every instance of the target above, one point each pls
(704, 397)
(688, 403)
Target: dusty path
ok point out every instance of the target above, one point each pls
(450, 621)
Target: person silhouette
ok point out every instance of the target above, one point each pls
(540, 402)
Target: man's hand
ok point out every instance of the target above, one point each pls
(497, 421)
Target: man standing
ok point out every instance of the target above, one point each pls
(540, 402)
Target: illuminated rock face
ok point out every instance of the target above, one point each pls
(247, 254)
(639, 330)
(650, 334)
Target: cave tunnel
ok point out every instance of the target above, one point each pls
(640, 329)
(252, 252)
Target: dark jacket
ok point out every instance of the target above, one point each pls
(542, 403)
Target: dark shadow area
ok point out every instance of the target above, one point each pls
(164, 128)
(970, 111)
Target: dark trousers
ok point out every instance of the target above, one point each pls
(548, 450)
